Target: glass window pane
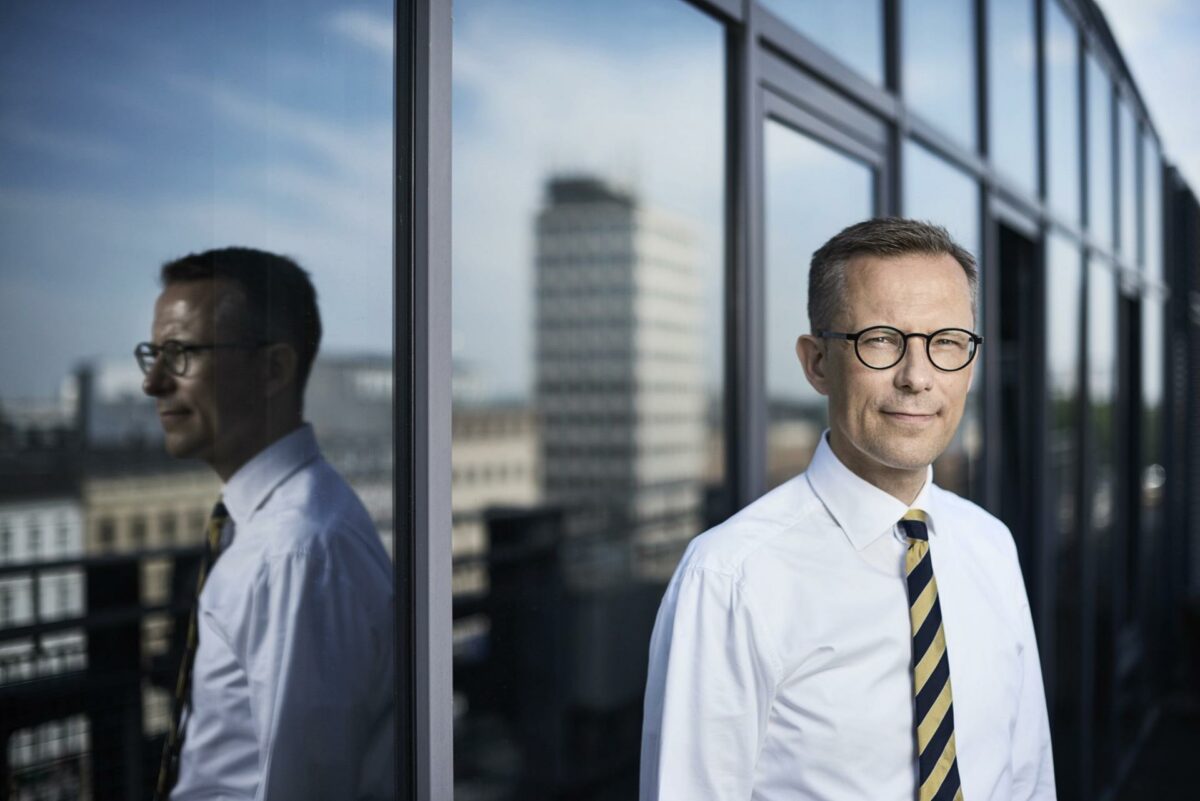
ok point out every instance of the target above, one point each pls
(1012, 95)
(1100, 152)
(133, 134)
(936, 191)
(852, 30)
(797, 223)
(1064, 316)
(588, 419)
(1128, 149)
(1102, 492)
(1062, 112)
(938, 64)
(1152, 223)
(1152, 474)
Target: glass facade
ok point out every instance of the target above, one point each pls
(1103, 512)
(1100, 152)
(852, 31)
(1012, 91)
(1062, 112)
(938, 65)
(167, 130)
(1063, 352)
(1128, 150)
(596, 222)
(797, 223)
(588, 419)
(1152, 204)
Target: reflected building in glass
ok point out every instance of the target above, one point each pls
(619, 385)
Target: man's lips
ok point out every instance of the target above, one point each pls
(172, 414)
(910, 417)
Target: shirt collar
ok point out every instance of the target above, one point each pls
(248, 489)
(862, 510)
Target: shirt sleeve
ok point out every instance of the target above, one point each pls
(708, 693)
(1032, 758)
(311, 656)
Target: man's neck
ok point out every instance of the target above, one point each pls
(226, 467)
(903, 484)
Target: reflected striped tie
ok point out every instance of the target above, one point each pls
(934, 713)
(168, 769)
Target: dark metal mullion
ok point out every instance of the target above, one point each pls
(403, 556)
(422, 408)
(747, 431)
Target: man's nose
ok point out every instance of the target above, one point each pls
(158, 381)
(915, 371)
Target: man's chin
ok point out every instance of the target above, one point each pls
(179, 447)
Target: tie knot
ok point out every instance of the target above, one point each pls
(219, 511)
(913, 525)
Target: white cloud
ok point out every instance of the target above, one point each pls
(60, 144)
(372, 31)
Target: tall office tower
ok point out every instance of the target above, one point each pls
(619, 369)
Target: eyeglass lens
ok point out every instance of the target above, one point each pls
(948, 349)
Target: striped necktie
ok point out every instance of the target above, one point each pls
(168, 769)
(934, 708)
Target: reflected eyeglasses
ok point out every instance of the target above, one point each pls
(174, 354)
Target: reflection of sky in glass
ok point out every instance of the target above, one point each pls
(634, 96)
(1064, 275)
(1152, 351)
(1062, 112)
(1102, 333)
(1152, 207)
(1099, 114)
(936, 191)
(938, 58)
(1013, 91)
(850, 29)
(799, 219)
(132, 133)
(1128, 149)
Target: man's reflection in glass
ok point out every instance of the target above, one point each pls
(285, 691)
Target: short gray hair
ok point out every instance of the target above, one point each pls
(884, 237)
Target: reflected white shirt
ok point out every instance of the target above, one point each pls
(780, 665)
(292, 684)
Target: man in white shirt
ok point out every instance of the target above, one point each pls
(291, 675)
(858, 632)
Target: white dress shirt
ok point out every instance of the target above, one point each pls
(292, 685)
(781, 660)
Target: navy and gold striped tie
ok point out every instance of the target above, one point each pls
(169, 765)
(934, 708)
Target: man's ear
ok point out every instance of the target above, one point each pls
(811, 352)
(282, 363)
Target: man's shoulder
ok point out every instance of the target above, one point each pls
(977, 524)
(316, 512)
(755, 530)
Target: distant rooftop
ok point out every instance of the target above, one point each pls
(585, 189)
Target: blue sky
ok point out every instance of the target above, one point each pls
(1161, 43)
(132, 133)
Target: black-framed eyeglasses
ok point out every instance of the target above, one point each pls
(882, 346)
(174, 354)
